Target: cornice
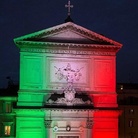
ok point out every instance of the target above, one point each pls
(69, 110)
(96, 112)
(28, 112)
(107, 113)
(46, 44)
(47, 47)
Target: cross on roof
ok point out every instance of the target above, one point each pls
(69, 6)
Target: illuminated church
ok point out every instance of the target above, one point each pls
(67, 84)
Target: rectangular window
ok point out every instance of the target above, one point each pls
(7, 130)
(131, 123)
(8, 107)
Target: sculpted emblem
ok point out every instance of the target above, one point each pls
(68, 73)
(71, 73)
(69, 93)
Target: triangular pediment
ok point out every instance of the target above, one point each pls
(67, 36)
(67, 33)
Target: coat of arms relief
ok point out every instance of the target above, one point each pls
(69, 75)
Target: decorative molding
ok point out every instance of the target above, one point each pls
(48, 123)
(73, 111)
(29, 112)
(68, 128)
(108, 113)
(75, 101)
(69, 98)
(66, 135)
(74, 52)
(81, 128)
(46, 45)
(89, 124)
(18, 110)
(55, 128)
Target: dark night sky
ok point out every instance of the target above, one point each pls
(115, 19)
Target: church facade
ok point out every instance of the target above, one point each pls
(67, 84)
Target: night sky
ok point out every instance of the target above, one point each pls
(115, 19)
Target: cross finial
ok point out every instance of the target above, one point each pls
(69, 6)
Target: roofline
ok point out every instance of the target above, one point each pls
(63, 26)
